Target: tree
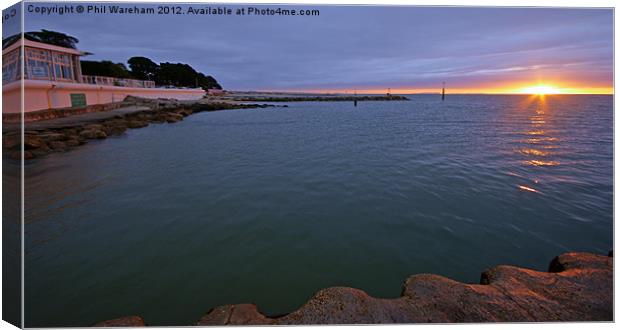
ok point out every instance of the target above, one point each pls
(52, 38)
(105, 69)
(176, 74)
(143, 68)
(6, 42)
(183, 75)
(208, 82)
(44, 36)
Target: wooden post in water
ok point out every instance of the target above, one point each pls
(443, 91)
(355, 99)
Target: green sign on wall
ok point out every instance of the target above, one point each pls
(78, 100)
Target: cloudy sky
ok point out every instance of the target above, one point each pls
(363, 48)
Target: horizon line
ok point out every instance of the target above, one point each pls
(413, 93)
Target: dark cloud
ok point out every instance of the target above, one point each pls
(364, 46)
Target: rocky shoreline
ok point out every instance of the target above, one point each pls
(60, 130)
(64, 134)
(577, 287)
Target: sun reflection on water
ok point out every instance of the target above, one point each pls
(534, 152)
(542, 162)
(537, 147)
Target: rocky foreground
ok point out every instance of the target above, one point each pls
(63, 134)
(577, 287)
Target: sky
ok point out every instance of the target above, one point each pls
(363, 48)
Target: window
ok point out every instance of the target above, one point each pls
(38, 64)
(48, 65)
(38, 69)
(62, 66)
(11, 66)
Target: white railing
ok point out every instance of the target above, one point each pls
(122, 82)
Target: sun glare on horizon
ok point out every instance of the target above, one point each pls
(541, 90)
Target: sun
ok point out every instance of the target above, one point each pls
(541, 90)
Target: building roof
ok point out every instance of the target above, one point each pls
(41, 45)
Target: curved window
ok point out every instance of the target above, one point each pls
(11, 66)
(38, 64)
(62, 66)
(48, 65)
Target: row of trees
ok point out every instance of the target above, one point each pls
(164, 74)
(170, 74)
(106, 69)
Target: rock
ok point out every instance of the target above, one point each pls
(161, 110)
(53, 136)
(579, 289)
(80, 139)
(58, 146)
(173, 117)
(73, 143)
(93, 134)
(115, 122)
(127, 321)
(184, 112)
(116, 130)
(70, 131)
(11, 142)
(32, 142)
(234, 315)
(160, 117)
(141, 116)
(574, 260)
(115, 127)
(44, 148)
(136, 124)
(94, 127)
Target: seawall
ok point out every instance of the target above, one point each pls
(61, 131)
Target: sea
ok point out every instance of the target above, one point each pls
(268, 206)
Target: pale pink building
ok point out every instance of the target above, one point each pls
(53, 79)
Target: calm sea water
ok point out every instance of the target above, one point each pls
(270, 205)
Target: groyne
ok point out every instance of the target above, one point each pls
(577, 287)
(266, 98)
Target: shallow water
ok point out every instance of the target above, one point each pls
(270, 205)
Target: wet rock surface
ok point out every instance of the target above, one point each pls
(127, 321)
(578, 287)
(66, 133)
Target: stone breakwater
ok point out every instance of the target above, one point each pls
(63, 134)
(265, 98)
(577, 287)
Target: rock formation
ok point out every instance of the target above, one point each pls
(578, 287)
(41, 137)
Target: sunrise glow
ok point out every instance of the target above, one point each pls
(510, 88)
(541, 90)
